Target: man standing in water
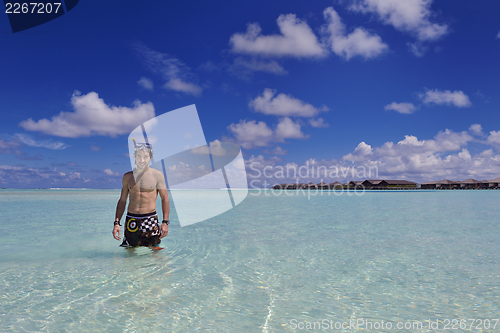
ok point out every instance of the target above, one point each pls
(142, 186)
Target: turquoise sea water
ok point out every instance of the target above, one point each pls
(273, 264)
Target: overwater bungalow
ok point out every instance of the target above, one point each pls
(323, 186)
(443, 184)
(494, 183)
(281, 186)
(470, 184)
(467, 184)
(395, 184)
(375, 184)
(401, 183)
(311, 185)
(355, 184)
(337, 185)
(292, 186)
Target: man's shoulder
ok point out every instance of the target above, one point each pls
(128, 175)
(156, 172)
(160, 179)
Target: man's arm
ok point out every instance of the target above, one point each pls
(165, 204)
(120, 207)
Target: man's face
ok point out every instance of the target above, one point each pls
(142, 159)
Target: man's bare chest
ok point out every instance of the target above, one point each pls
(143, 184)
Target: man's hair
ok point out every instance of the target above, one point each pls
(144, 147)
(150, 151)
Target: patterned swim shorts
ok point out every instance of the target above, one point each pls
(141, 230)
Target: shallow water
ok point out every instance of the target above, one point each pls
(272, 264)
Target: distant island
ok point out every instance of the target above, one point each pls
(391, 184)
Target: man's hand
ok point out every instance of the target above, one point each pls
(117, 232)
(163, 230)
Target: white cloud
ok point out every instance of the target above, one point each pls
(288, 129)
(9, 167)
(361, 152)
(92, 117)
(498, 35)
(412, 16)
(264, 172)
(456, 98)
(181, 172)
(476, 129)
(49, 144)
(146, 83)
(320, 123)
(444, 156)
(442, 142)
(10, 147)
(109, 172)
(8, 144)
(255, 166)
(178, 76)
(209, 66)
(215, 148)
(418, 49)
(23, 177)
(276, 151)
(405, 108)
(245, 67)
(282, 105)
(252, 134)
(358, 43)
(494, 137)
(180, 85)
(296, 40)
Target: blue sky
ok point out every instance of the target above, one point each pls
(408, 86)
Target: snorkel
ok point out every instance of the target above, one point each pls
(141, 159)
(143, 146)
